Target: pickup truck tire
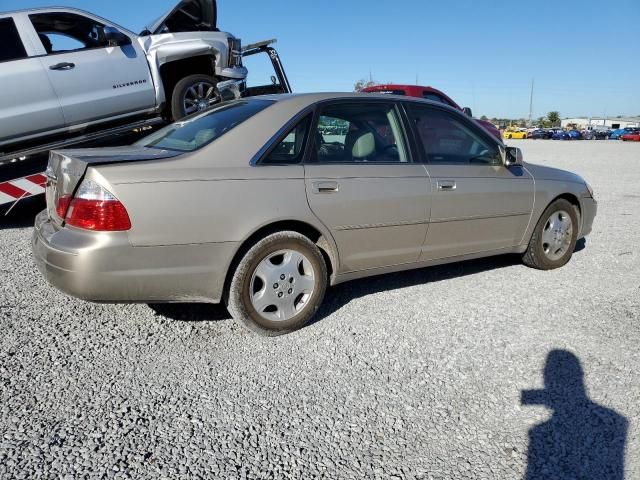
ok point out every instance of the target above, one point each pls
(193, 94)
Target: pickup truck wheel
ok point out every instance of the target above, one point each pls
(193, 94)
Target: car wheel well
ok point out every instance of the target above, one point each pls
(288, 225)
(572, 199)
(172, 72)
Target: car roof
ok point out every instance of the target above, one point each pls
(307, 99)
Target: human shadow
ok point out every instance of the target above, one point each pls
(582, 440)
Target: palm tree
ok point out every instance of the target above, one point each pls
(554, 118)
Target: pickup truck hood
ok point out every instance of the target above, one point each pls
(66, 168)
(541, 172)
(187, 16)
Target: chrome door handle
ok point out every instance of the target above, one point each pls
(63, 66)
(446, 185)
(325, 187)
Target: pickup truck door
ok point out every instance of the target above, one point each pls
(93, 80)
(28, 103)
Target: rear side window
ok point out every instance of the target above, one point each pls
(200, 130)
(291, 149)
(11, 47)
(360, 133)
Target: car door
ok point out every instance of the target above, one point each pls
(362, 184)
(28, 103)
(93, 79)
(478, 204)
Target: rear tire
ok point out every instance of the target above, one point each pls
(554, 238)
(193, 94)
(279, 285)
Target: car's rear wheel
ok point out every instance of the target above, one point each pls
(278, 285)
(554, 238)
(193, 94)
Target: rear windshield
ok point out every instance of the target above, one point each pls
(200, 130)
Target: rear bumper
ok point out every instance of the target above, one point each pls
(105, 267)
(589, 212)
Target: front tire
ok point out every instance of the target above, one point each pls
(279, 285)
(193, 94)
(554, 238)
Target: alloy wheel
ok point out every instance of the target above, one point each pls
(199, 97)
(556, 235)
(282, 285)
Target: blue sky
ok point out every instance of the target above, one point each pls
(484, 54)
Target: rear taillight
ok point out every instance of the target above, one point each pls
(62, 205)
(94, 208)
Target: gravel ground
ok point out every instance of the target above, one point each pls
(415, 375)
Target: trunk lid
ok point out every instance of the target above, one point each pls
(67, 168)
(188, 16)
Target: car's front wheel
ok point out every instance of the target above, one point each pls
(193, 94)
(554, 238)
(278, 285)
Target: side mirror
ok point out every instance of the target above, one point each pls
(274, 80)
(115, 37)
(468, 111)
(513, 157)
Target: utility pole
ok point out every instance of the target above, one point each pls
(531, 102)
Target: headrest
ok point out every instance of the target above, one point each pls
(365, 146)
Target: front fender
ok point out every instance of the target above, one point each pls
(167, 48)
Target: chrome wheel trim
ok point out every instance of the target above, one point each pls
(557, 235)
(282, 285)
(199, 97)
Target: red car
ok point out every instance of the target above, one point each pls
(430, 93)
(633, 136)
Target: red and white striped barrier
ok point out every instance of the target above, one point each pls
(14, 190)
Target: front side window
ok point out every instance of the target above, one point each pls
(200, 130)
(11, 47)
(447, 139)
(62, 32)
(291, 149)
(360, 133)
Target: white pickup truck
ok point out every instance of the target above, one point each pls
(64, 71)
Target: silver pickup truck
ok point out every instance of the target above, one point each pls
(64, 70)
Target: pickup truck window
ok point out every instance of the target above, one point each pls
(62, 32)
(201, 129)
(11, 47)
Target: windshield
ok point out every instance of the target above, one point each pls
(200, 130)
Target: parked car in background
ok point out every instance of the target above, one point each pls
(541, 134)
(65, 70)
(561, 135)
(520, 134)
(374, 200)
(595, 134)
(575, 135)
(433, 94)
(633, 136)
(616, 134)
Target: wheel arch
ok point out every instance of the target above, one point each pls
(328, 250)
(173, 71)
